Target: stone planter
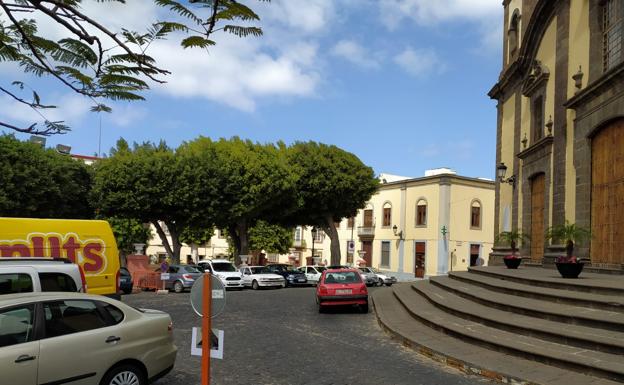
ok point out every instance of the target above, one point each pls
(569, 270)
(512, 263)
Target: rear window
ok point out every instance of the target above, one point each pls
(57, 282)
(15, 283)
(343, 277)
(223, 266)
(191, 269)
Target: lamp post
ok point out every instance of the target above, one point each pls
(501, 170)
(313, 231)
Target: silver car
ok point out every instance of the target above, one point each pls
(82, 339)
(181, 277)
(368, 276)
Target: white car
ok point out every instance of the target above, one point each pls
(313, 273)
(259, 276)
(381, 278)
(224, 270)
(20, 275)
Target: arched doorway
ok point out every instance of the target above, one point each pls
(538, 191)
(607, 194)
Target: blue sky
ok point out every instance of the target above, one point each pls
(400, 83)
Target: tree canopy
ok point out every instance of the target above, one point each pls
(128, 232)
(41, 183)
(97, 60)
(271, 238)
(331, 184)
(142, 183)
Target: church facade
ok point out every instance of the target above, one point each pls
(560, 129)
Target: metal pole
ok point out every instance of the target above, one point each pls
(206, 329)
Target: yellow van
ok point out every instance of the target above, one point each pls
(90, 244)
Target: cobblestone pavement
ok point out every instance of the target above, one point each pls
(278, 337)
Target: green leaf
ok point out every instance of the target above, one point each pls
(242, 31)
(36, 98)
(196, 41)
(101, 108)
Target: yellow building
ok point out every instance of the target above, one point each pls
(560, 130)
(414, 227)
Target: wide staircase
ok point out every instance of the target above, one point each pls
(516, 326)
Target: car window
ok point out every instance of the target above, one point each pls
(116, 314)
(191, 269)
(260, 270)
(16, 325)
(343, 277)
(223, 266)
(15, 283)
(71, 316)
(173, 269)
(57, 282)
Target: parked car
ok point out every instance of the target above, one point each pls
(58, 338)
(339, 287)
(383, 278)
(313, 273)
(125, 280)
(292, 275)
(224, 270)
(22, 275)
(181, 277)
(369, 277)
(259, 276)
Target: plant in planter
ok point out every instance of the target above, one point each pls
(512, 261)
(569, 266)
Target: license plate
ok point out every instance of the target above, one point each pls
(300, 280)
(343, 291)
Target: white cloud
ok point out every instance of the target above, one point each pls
(302, 16)
(420, 62)
(486, 13)
(71, 108)
(427, 12)
(124, 115)
(354, 53)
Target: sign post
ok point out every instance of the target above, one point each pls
(206, 330)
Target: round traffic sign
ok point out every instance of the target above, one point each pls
(218, 296)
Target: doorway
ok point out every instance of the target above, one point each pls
(367, 247)
(419, 259)
(607, 194)
(538, 190)
(474, 254)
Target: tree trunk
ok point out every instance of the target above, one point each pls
(163, 238)
(240, 237)
(335, 241)
(175, 240)
(195, 252)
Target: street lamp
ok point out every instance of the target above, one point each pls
(314, 232)
(501, 170)
(397, 232)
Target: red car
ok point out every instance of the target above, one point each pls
(339, 287)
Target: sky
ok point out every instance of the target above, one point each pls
(400, 83)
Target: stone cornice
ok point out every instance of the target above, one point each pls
(542, 143)
(597, 87)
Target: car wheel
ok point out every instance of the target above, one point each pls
(254, 285)
(124, 375)
(380, 282)
(389, 284)
(364, 308)
(178, 287)
(127, 291)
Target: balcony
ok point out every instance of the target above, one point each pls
(367, 231)
(299, 243)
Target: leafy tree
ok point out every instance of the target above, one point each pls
(41, 183)
(195, 237)
(570, 233)
(331, 184)
(98, 61)
(272, 238)
(240, 182)
(143, 184)
(128, 232)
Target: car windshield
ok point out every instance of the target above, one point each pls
(365, 270)
(223, 266)
(259, 270)
(340, 277)
(280, 267)
(191, 269)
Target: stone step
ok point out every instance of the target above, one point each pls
(594, 301)
(536, 276)
(600, 364)
(568, 314)
(575, 335)
(470, 358)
